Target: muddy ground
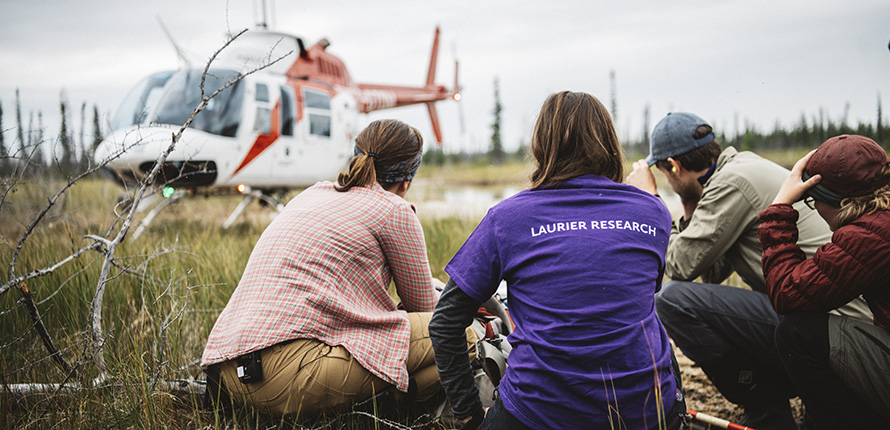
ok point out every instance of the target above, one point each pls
(701, 395)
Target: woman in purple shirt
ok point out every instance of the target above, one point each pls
(583, 256)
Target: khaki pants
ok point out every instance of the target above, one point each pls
(306, 376)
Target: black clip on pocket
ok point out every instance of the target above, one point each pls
(250, 367)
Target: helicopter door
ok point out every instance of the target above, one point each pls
(263, 119)
(262, 132)
(344, 110)
(318, 112)
(319, 157)
(287, 150)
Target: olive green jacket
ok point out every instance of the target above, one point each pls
(721, 237)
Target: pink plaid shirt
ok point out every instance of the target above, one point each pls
(321, 270)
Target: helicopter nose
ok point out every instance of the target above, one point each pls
(104, 150)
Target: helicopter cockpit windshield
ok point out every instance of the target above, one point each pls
(183, 94)
(139, 101)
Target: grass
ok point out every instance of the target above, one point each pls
(173, 270)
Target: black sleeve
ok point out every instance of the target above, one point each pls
(453, 315)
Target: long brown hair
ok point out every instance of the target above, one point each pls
(854, 207)
(574, 136)
(384, 143)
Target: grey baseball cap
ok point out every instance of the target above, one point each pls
(673, 136)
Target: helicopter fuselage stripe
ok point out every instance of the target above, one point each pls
(263, 141)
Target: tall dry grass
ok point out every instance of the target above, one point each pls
(159, 306)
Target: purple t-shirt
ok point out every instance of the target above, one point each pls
(582, 261)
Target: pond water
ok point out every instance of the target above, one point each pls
(463, 201)
(473, 202)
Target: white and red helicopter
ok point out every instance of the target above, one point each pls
(286, 126)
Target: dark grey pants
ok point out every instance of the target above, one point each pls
(860, 356)
(850, 396)
(730, 333)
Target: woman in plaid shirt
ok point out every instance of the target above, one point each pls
(313, 303)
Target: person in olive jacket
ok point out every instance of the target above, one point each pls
(840, 366)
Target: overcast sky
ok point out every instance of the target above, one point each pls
(758, 61)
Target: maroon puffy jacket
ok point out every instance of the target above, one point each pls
(855, 262)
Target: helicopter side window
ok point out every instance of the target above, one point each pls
(287, 111)
(320, 125)
(316, 100)
(262, 93)
(261, 123)
(318, 108)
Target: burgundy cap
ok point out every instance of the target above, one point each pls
(848, 165)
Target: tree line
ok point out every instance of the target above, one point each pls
(807, 133)
(69, 152)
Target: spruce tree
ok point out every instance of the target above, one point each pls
(4, 153)
(645, 143)
(97, 130)
(614, 98)
(65, 163)
(38, 159)
(31, 132)
(879, 132)
(20, 131)
(82, 158)
(496, 150)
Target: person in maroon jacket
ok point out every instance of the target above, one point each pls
(840, 366)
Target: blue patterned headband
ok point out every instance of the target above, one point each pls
(392, 173)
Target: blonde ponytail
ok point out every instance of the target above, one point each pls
(854, 207)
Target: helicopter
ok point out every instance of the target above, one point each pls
(281, 127)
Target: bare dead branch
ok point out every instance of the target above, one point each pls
(41, 328)
(17, 339)
(38, 361)
(47, 270)
(64, 386)
(30, 228)
(62, 285)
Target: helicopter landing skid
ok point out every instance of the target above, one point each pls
(157, 209)
(249, 197)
